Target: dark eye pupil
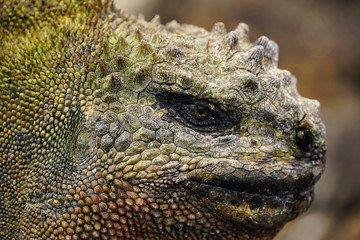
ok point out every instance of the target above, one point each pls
(199, 112)
(304, 138)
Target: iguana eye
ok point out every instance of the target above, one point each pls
(304, 138)
(199, 114)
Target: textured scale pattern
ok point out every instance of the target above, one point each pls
(112, 127)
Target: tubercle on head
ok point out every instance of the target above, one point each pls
(149, 43)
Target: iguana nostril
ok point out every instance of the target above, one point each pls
(304, 138)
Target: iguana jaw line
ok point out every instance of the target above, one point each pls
(253, 210)
(236, 175)
(256, 200)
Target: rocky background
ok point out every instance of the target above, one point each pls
(319, 43)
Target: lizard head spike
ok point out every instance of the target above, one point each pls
(172, 25)
(156, 19)
(137, 35)
(271, 51)
(242, 31)
(156, 39)
(219, 28)
(141, 17)
(251, 60)
(109, 6)
(139, 75)
(254, 58)
(102, 67)
(124, 46)
(143, 49)
(120, 61)
(227, 43)
(93, 18)
(113, 81)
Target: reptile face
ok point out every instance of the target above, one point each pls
(118, 128)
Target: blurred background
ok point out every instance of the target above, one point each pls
(319, 43)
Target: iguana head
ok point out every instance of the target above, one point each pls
(140, 130)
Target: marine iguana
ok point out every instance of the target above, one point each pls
(112, 127)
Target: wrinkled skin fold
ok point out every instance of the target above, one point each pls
(112, 127)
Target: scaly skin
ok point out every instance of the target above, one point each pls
(112, 127)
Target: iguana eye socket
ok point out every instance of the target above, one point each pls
(198, 114)
(304, 138)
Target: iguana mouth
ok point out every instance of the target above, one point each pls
(218, 194)
(255, 200)
(260, 185)
(252, 209)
